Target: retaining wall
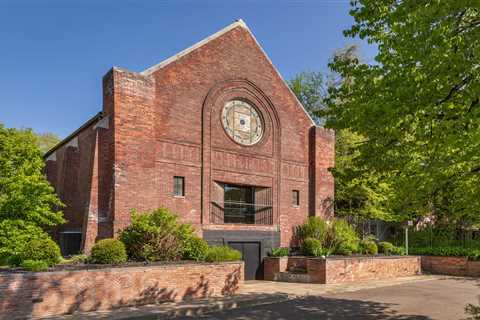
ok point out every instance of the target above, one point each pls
(40, 294)
(344, 269)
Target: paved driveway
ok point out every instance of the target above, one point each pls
(435, 298)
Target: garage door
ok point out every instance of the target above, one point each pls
(251, 256)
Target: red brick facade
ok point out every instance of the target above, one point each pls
(165, 122)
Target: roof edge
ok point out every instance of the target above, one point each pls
(90, 121)
(237, 23)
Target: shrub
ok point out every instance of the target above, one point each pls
(315, 228)
(368, 246)
(222, 253)
(345, 238)
(386, 248)
(41, 250)
(14, 235)
(312, 247)
(399, 251)
(155, 236)
(470, 253)
(194, 248)
(108, 251)
(280, 252)
(34, 265)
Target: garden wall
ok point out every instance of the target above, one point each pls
(27, 295)
(454, 266)
(343, 269)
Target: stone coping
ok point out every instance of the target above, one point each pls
(94, 267)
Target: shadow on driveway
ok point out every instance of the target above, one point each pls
(316, 308)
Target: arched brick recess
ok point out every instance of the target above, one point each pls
(215, 138)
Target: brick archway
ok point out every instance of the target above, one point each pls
(244, 89)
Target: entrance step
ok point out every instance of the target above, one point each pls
(292, 277)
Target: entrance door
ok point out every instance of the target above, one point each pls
(251, 256)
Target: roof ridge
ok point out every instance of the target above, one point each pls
(236, 23)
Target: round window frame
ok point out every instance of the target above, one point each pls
(260, 116)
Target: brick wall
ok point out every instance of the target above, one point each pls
(345, 269)
(370, 268)
(455, 266)
(26, 295)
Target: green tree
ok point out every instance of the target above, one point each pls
(46, 140)
(309, 88)
(25, 194)
(418, 105)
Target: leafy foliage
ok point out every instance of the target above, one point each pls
(368, 246)
(194, 248)
(310, 91)
(46, 140)
(470, 253)
(108, 251)
(313, 247)
(25, 194)
(315, 227)
(157, 236)
(34, 265)
(280, 252)
(45, 250)
(346, 238)
(386, 248)
(222, 253)
(14, 235)
(417, 107)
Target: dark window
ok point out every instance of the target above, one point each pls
(179, 186)
(295, 198)
(239, 204)
(70, 243)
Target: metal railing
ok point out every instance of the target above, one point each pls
(241, 213)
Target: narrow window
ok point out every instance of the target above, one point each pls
(295, 198)
(179, 186)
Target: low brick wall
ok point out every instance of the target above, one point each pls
(345, 269)
(454, 266)
(27, 295)
(340, 270)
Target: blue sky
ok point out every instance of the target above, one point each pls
(53, 54)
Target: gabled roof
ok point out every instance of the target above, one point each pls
(237, 23)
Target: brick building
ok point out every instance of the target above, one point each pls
(214, 134)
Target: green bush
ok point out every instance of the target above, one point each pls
(34, 265)
(14, 235)
(399, 251)
(368, 246)
(78, 259)
(222, 253)
(41, 250)
(155, 236)
(386, 248)
(280, 252)
(108, 251)
(315, 227)
(194, 248)
(345, 238)
(470, 253)
(312, 247)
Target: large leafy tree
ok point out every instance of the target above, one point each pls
(310, 89)
(25, 194)
(418, 105)
(46, 140)
(358, 193)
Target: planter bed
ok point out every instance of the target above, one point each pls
(340, 269)
(94, 287)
